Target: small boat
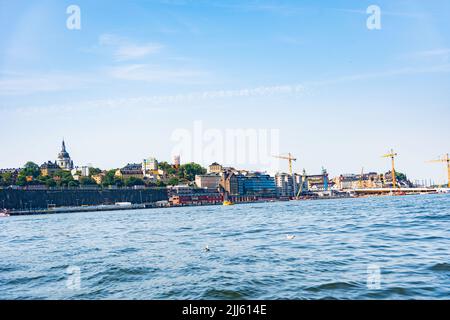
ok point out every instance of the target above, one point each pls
(4, 213)
(228, 203)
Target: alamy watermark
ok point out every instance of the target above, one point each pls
(74, 278)
(373, 277)
(374, 20)
(73, 22)
(232, 146)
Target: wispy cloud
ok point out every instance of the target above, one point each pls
(405, 14)
(288, 89)
(443, 68)
(158, 102)
(241, 5)
(438, 55)
(125, 49)
(269, 7)
(154, 73)
(20, 84)
(432, 53)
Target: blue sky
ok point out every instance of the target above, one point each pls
(137, 71)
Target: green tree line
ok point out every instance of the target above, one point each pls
(30, 174)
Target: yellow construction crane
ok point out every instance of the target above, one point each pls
(290, 158)
(392, 155)
(445, 159)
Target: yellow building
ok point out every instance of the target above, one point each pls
(215, 168)
(49, 169)
(98, 178)
(133, 170)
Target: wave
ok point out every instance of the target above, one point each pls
(334, 286)
(441, 267)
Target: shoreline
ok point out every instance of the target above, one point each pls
(121, 207)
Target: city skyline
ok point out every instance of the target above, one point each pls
(118, 88)
(64, 161)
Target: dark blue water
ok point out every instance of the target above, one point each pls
(159, 253)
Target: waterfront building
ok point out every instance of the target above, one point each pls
(318, 182)
(358, 181)
(229, 182)
(209, 181)
(49, 168)
(64, 161)
(131, 170)
(285, 185)
(186, 195)
(260, 185)
(215, 168)
(247, 184)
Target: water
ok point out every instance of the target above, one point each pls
(158, 253)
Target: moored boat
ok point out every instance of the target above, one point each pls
(4, 213)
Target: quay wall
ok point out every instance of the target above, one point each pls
(40, 199)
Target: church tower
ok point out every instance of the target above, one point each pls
(64, 161)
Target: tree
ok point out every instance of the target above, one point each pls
(167, 168)
(50, 183)
(94, 171)
(132, 181)
(110, 179)
(400, 176)
(7, 179)
(160, 184)
(63, 178)
(87, 181)
(21, 180)
(30, 169)
(173, 181)
(118, 182)
(188, 171)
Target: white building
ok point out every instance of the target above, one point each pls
(64, 161)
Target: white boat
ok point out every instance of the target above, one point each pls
(4, 213)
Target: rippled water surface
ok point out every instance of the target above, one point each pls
(159, 253)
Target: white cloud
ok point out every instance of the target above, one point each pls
(130, 52)
(17, 84)
(153, 73)
(125, 50)
(416, 15)
(443, 68)
(442, 54)
(159, 102)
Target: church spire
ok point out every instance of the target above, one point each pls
(64, 161)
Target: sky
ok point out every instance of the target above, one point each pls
(157, 78)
